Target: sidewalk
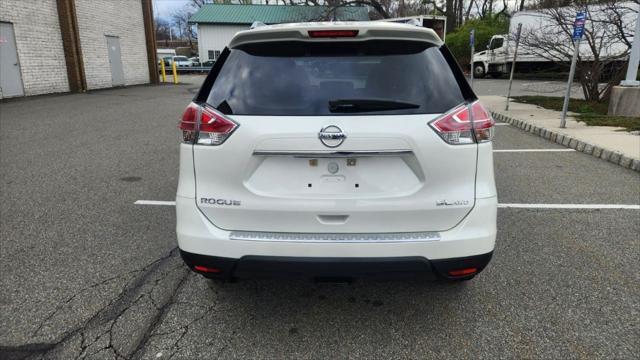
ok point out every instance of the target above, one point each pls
(605, 142)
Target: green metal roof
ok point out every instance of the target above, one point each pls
(273, 14)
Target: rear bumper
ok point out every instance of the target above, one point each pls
(332, 268)
(199, 239)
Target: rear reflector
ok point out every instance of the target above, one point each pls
(463, 272)
(205, 269)
(205, 126)
(456, 127)
(332, 33)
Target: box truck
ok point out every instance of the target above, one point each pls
(496, 60)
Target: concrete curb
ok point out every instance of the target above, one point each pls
(565, 140)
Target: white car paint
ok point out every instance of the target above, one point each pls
(401, 179)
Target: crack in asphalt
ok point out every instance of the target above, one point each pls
(130, 295)
(184, 329)
(158, 317)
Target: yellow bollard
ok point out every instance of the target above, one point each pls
(163, 72)
(175, 73)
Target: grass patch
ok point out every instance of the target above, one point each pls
(591, 113)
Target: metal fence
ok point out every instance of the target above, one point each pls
(186, 69)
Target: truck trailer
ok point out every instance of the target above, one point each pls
(436, 22)
(539, 27)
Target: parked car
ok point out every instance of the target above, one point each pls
(195, 61)
(167, 61)
(208, 63)
(336, 151)
(182, 61)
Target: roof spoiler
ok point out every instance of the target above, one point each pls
(297, 32)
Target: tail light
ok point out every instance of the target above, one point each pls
(205, 126)
(457, 126)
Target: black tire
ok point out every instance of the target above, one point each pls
(479, 70)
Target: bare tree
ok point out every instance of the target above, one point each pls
(162, 29)
(605, 45)
(180, 19)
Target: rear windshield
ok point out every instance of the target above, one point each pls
(301, 78)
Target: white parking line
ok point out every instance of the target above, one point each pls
(533, 150)
(155, 202)
(516, 206)
(502, 124)
(570, 206)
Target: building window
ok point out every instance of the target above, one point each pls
(213, 54)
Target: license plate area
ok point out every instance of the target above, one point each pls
(341, 176)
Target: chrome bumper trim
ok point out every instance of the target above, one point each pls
(335, 237)
(333, 154)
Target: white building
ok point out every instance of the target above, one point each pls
(50, 46)
(218, 23)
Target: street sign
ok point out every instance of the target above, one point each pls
(578, 30)
(472, 37)
(578, 25)
(513, 63)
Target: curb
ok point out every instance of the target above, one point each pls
(578, 145)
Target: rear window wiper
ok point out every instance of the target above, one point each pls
(364, 105)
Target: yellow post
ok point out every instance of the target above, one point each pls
(175, 73)
(163, 72)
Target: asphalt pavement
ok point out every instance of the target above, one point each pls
(86, 273)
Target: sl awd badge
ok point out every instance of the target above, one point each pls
(452, 203)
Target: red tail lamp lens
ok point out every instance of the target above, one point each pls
(456, 128)
(205, 269)
(332, 33)
(463, 272)
(205, 126)
(189, 118)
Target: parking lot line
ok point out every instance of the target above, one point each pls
(502, 124)
(511, 205)
(570, 206)
(534, 150)
(155, 202)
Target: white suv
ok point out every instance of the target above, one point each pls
(332, 150)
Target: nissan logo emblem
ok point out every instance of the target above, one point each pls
(331, 136)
